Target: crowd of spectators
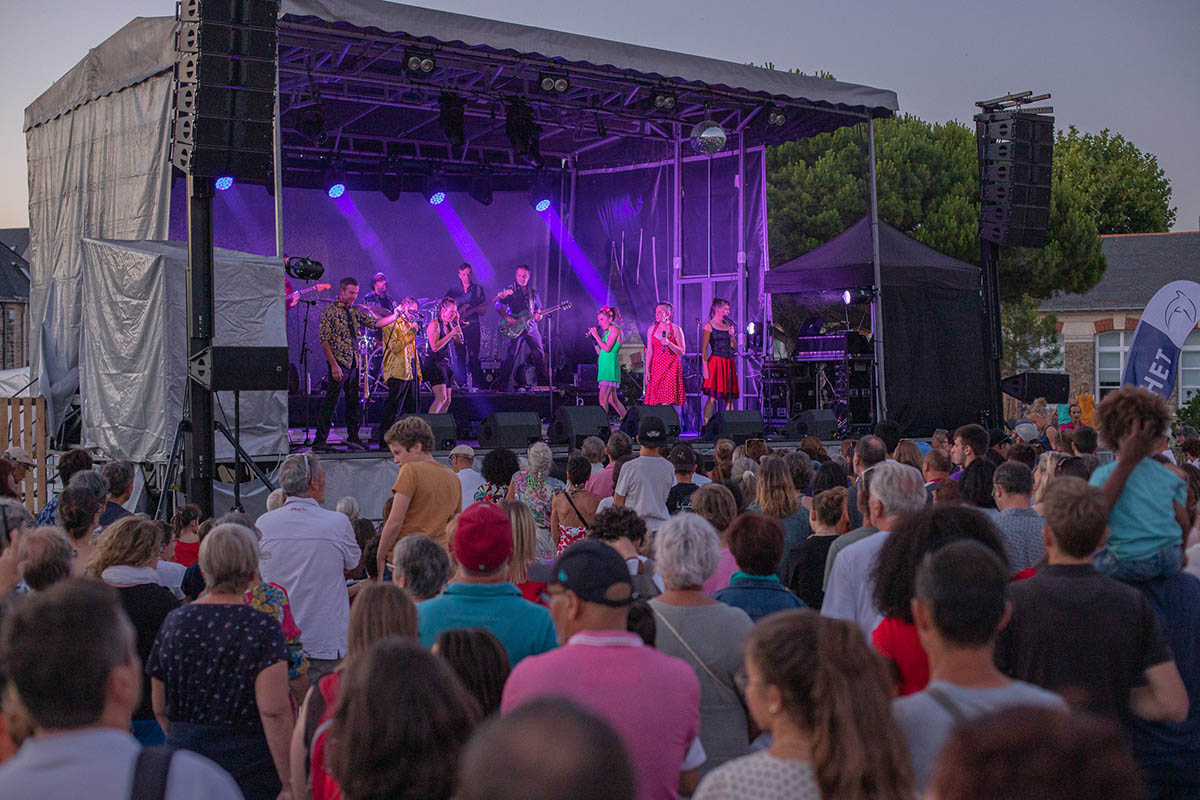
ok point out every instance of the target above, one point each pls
(982, 614)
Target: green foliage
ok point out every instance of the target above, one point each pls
(1030, 339)
(1123, 188)
(1189, 412)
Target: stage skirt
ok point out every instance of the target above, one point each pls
(437, 372)
(722, 381)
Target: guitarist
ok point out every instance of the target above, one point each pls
(526, 350)
(472, 305)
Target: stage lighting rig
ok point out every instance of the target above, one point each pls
(852, 297)
(419, 62)
(303, 268)
(335, 180)
(390, 182)
(312, 126)
(664, 101)
(223, 183)
(523, 133)
(435, 190)
(554, 82)
(481, 190)
(540, 195)
(452, 117)
(776, 117)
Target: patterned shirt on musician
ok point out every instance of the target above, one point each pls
(340, 327)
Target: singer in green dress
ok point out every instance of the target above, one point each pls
(607, 337)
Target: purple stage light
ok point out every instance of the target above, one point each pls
(223, 183)
(337, 190)
(541, 206)
(466, 244)
(437, 198)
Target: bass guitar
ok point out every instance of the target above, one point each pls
(522, 322)
(294, 297)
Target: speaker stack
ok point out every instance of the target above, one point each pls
(514, 430)
(736, 425)
(573, 424)
(1055, 387)
(224, 111)
(1015, 154)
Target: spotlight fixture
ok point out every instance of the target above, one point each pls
(420, 61)
(335, 179)
(750, 328)
(453, 118)
(855, 296)
(312, 126)
(523, 133)
(753, 335)
(664, 101)
(708, 137)
(481, 190)
(336, 190)
(303, 268)
(776, 117)
(554, 82)
(539, 196)
(223, 183)
(390, 182)
(435, 190)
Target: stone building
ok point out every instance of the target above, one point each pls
(14, 309)
(1096, 328)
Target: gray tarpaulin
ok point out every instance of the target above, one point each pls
(101, 171)
(132, 358)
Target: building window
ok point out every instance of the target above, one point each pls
(1189, 367)
(1111, 349)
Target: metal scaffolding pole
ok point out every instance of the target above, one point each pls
(877, 301)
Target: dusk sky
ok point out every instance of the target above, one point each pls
(1132, 67)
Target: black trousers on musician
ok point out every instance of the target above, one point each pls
(525, 364)
(466, 356)
(399, 393)
(349, 385)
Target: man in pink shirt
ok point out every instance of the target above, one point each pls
(602, 483)
(650, 698)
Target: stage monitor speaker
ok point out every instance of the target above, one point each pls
(668, 415)
(515, 430)
(445, 429)
(819, 422)
(573, 424)
(241, 369)
(1029, 386)
(736, 425)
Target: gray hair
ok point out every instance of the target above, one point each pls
(348, 506)
(45, 555)
(91, 481)
(14, 517)
(540, 458)
(685, 551)
(276, 499)
(424, 565)
(228, 558)
(899, 488)
(593, 448)
(619, 445)
(119, 475)
(297, 472)
(742, 464)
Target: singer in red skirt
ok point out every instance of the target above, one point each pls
(717, 345)
(664, 348)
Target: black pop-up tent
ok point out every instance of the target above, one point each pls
(935, 360)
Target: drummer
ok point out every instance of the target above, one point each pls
(401, 367)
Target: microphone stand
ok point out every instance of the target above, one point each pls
(305, 377)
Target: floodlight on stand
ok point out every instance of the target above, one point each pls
(223, 183)
(435, 191)
(708, 137)
(852, 297)
(419, 61)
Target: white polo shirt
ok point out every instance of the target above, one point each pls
(306, 549)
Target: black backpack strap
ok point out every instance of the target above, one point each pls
(150, 774)
(948, 705)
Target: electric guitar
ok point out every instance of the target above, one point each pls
(475, 311)
(522, 321)
(294, 297)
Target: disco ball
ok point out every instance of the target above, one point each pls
(708, 137)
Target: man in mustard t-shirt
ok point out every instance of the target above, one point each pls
(426, 495)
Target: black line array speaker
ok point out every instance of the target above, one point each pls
(736, 425)
(515, 430)
(1015, 159)
(819, 422)
(1029, 386)
(445, 430)
(573, 424)
(224, 104)
(668, 415)
(241, 369)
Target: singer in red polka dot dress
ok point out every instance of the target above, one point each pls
(664, 370)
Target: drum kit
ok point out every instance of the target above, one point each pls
(370, 348)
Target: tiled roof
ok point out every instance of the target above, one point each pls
(1138, 266)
